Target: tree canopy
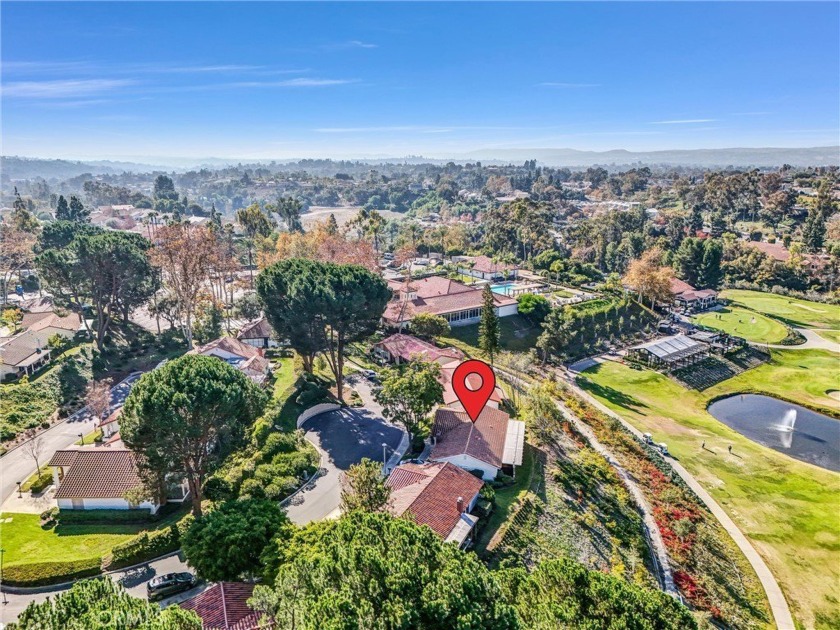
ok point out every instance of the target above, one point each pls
(375, 571)
(489, 333)
(363, 488)
(226, 542)
(321, 307)
(102, 604)
(183, 418)
(409, 392)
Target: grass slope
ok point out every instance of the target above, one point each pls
(744, 323)
(792, 311)
(517, 335)
(787, 508)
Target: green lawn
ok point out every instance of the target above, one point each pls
(284, 375)
(25, 541)
(793, 311)
(518, 334)
(788, 509)
(831, 335)
(743, 323)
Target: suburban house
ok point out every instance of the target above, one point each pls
(671, 352)
(23, 354)
(243, 356)
(98, 478)
(224, 606)
(439, 495)
(491, 444)
(687, 296)
(400, 348)
(51, 323)
(450, 399)
(27, 351)
(455, 302)
(258, 334)
(485, 268)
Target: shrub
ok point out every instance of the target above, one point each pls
(41, 483)
(44, 573)
(82, 517)
(252, 488)
(487, 493)
(148, 544)
(217, 489)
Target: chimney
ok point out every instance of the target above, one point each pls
(460, 504)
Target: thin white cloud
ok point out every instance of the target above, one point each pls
(557, 84)
(357, 44)
(66, 88)
(298, 82)
(687, 121)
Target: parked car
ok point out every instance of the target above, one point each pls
(170, 584)
(370, 375)
(663, 448)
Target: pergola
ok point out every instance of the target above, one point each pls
(672, 352)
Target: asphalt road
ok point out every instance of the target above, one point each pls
(17, 465)
(344, 437)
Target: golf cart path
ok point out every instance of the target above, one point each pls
(813, 341)
(778, 604)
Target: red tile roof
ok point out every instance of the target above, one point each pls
(678, 286)
(407, 348)
(96, 473)
(433, 286)
(224, 606)
(473, 382)
(459, 298)
(483, 440)
(430, 492)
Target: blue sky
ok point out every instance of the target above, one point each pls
(268, 80)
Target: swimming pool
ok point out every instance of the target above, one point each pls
(504, 288)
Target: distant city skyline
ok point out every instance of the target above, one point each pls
(273, 81)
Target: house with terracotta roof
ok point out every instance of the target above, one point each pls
(493, 443)
(687, 296)
(239, 354)
(258, 334)
(400, 348)
(224, 606)
(457, 303)
(98, 478)
(486, 268)
(439, 495)
(450, 399)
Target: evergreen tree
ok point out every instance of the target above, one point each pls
(813, 232)
(489, 334)
(711, 272)
(62, 210)
(77, 211)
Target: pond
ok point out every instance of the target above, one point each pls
(790, 429)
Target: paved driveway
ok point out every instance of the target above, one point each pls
(343, 437)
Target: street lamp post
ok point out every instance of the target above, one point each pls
(81, 439)
(384, 455)
(5, 601)
(20, 491)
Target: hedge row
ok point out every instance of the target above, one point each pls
(45, 573)
(83, 517)
(147, 545)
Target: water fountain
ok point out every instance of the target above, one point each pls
(786, 428)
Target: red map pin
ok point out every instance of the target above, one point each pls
(473, 399)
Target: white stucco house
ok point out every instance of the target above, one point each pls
(484, 268)
(493, 443)
(98, 478)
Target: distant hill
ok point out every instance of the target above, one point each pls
(740, 157)
(13, 167)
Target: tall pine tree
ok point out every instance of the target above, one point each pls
(489, 334)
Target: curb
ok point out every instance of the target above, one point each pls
(63, 586)
(67, 419)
